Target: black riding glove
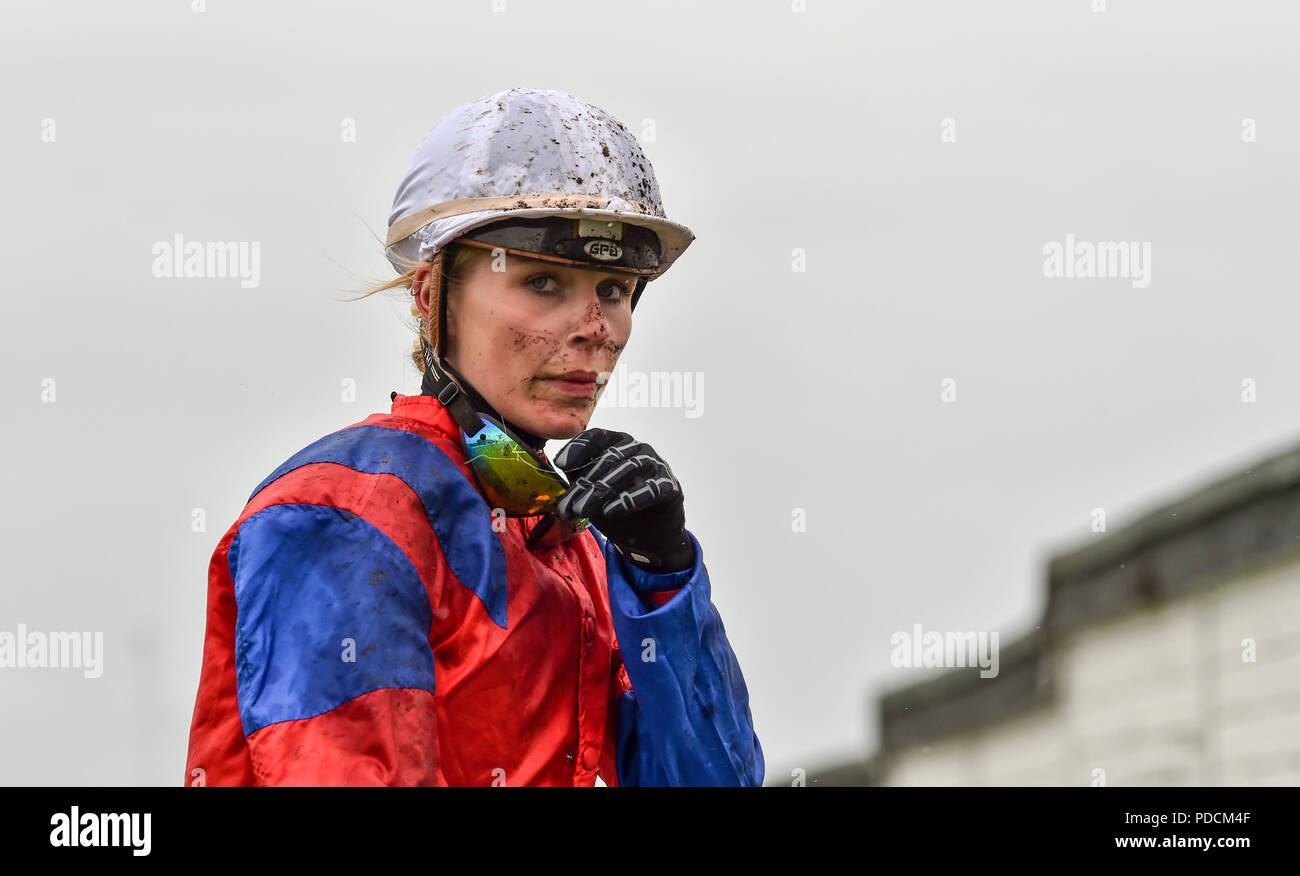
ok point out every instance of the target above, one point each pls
(631, 496)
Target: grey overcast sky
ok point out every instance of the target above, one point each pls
(913, 158)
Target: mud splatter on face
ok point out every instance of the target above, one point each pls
(526, 340)
(594, 311)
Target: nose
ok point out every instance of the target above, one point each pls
(590, 326)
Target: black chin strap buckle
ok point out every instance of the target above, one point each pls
(449, 394)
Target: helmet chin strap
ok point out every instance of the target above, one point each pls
(458, 396)
(453, 391)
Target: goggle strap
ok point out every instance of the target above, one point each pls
(539, 531)
(450, 395)
(461, 410)
(464, 414)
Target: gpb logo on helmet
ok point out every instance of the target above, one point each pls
(605, 250)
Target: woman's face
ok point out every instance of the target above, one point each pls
(534, 337)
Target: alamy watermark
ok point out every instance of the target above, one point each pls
(87, 829)
(38, 650)
(653, 389)
(954, 649)
(1106, 258)
(178, 258)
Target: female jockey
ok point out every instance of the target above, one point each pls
(421, 598)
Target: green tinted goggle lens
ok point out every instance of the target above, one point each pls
(515, 479)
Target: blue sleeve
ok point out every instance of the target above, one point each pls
(686, 720)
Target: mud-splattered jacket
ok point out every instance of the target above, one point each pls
(368, 624)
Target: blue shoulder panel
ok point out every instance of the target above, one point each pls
(456, 511)
(307, 578)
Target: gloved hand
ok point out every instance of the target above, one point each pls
(631, 496)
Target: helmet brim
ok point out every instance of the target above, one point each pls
(422, 244)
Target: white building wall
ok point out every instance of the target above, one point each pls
(1158, 697)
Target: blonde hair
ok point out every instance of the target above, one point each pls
(456, 265)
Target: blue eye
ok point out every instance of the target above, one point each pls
(618, 290)
(544, 277)
(610, 290)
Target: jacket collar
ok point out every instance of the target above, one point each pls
(427, 410)
(437, 387)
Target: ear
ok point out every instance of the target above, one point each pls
(422, 287)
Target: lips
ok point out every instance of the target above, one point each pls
(580, 384)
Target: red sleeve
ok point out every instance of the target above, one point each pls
(385, 737)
